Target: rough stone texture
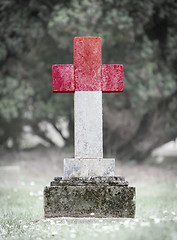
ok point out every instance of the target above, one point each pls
(88, 167)
(94, 181)
(67, 200)
(112, 78)
(88, 124)
(63, 78)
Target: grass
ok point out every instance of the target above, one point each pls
(21, 216)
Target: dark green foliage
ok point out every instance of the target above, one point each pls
(140, 34)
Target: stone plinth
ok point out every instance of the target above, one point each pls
(89, 197)
(88, 167)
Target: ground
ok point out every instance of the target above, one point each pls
(23, 176)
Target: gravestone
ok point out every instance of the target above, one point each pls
(89, 187)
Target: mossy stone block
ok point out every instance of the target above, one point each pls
(82, 201)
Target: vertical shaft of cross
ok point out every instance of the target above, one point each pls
(88, 125)
(88, 131)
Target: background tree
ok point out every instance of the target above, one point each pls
(140, 34)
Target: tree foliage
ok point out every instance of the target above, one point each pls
(139, 34)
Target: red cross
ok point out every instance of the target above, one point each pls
(87, 73)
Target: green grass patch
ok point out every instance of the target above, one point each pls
(21, 216)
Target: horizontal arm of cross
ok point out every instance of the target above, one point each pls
(87, 73)
(64, 80)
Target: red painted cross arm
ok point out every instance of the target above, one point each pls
(112, 78)
(87, 73)
(63, 78)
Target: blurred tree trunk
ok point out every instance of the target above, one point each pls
(70, 140)
(153, 129)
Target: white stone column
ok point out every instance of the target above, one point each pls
(88, 120)
(88, 133)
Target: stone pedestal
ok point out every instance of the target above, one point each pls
(89, 187)
(89, 197)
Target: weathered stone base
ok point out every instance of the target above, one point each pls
(93, 197)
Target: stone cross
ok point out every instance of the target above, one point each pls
(88, 78)
(89, 187)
